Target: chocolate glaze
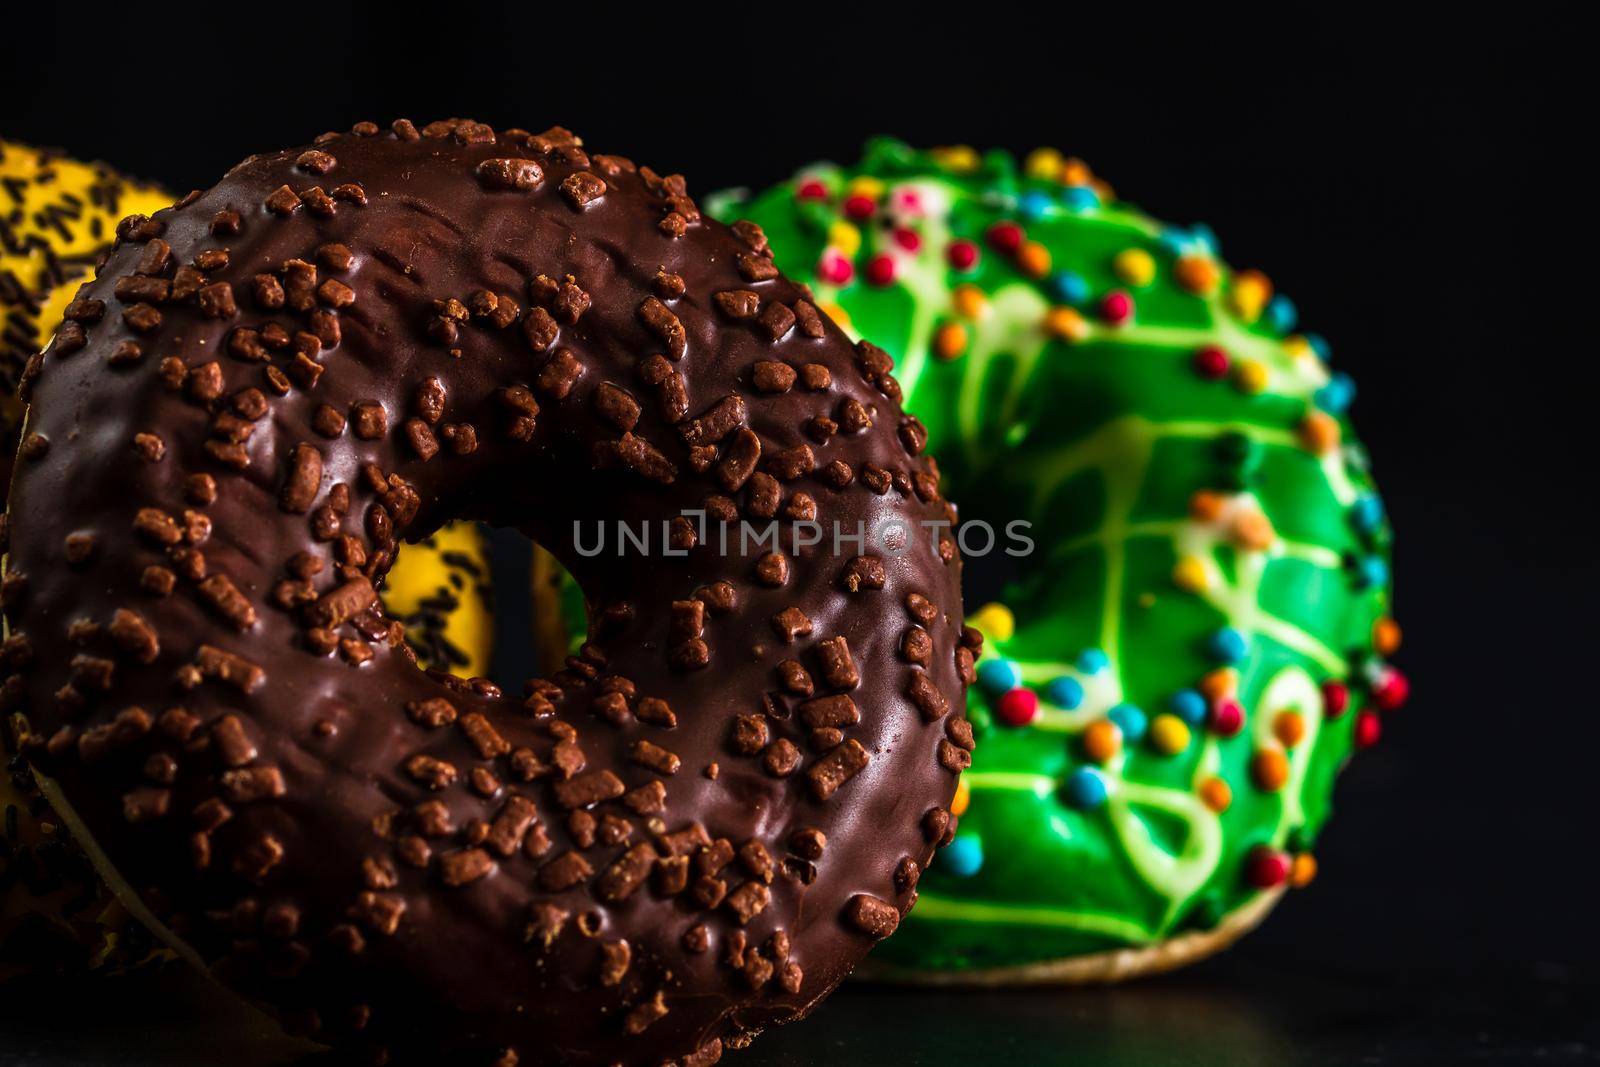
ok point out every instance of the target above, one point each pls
(337, 834)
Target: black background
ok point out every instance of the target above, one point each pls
(1414, 188)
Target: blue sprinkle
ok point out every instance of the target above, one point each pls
(1034, 205)
(1085, 789)
(1335, 397)
(1227, 645)
(1372, 572)
(1205, 237)
(1176, 239)
(1069, 287)
(963, 857)
(1064, 692)
(1079, 198)
(1189, 705)
(1319, 345)
(1093, 661)
(998, 675)
(1367, 513)
(1281, 314)
(1131, 720)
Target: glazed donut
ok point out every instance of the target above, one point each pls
(1176, 673)
(55, 912)
(692, 831)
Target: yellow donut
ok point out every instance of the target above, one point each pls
(56, 217)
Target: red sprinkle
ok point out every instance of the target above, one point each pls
(1211, 362)
(859, 206)
(880, 269)
(1006, 236)
(1116, 307)
(962, 254)
(811, 190)
(909, 240)
(1336, 698)
(1017, 707)
(1392, 691)
(1266, 867)
(835, 269)
(1368, 728)
(1227, 718)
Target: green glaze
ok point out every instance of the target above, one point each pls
(1101, 435)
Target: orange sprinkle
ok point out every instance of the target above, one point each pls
(1197, 274)
(963, 798)
(1269, 769)
(1252, 529)
(1102, 740)
(1034, 259)
(1215, 794)
(1205, 506)
(949, 340)
(1386, 636)
(1076, 172)
(1065, 324)
(1220, 684)
(1302, 870)
(1289, 728)
(1319, 432)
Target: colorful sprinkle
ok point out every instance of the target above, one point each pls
(1335, 699)
(859, 206)
(963, 857)
(1266, 868)
(962, 254)
(1367, 513)
(1043, 163)
(1337, 396)
(1017, 707)
(1372, 572)
(1034, 205)
(1131, 720)
(1093, 661)
(1005, 236)
(999, 675)
(1085, 789)
(1392, 691)
(1318, 432)
(881, 270)
(811, 189)
(1303, 870)
(1191, 574)
(962, 800)
(1116, 307)
(834, 268)
(1269, 769)
(1064, 691)
(910, 240)
(1289, 727)
(1216, 795)
(1197, 274)
(1281, 314)
(1250, 376)
(1211, 363)
(1169, 734)
(1249, 294)
(1069, 287)
(1188, 705)
(1227, 718)
(1369, 728)
(845, 237)
(1034, 259)
(838, 314)
(1219, 684)
(949, 340)
(1102, 740)
(1135, 267)
(1065, 324)
(995, 620)
(1228, 645)
(1386, 636)
(1079, 198)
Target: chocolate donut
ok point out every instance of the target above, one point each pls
(699, 825)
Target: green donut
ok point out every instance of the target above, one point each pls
(1176, 673)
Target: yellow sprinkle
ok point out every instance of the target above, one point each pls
(1289, 728)
(959, 157)
(949, 340)
(1298, 347)
(1190, 575)
(1215, 794)
(865, 185)
(845, 237)
(1198, 274)
(1249, 294)
(837, 314)
(963, 797)
(1220, 684)
(1386, 636)
(1102, 740)
(1043, 163)
(1135, 266)
(1318, 433)
(969, 301)
(1034, 259)
(1065, 324)
(1269, 769)
(1075, 171)
(1249, 376)
(1302, 870)
(1169, 734)
(995, 620)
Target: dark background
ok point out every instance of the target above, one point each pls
(1415, 189)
